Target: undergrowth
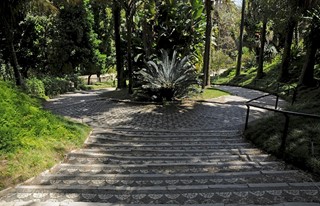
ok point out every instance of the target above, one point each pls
(32, 139)
(303, 143)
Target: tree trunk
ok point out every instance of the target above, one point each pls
(206, 63)
(129, 23)
(238, 68)
(307, 74)
(119, 56)
(99, 77)
(147, 37)
(14, 61)
(260, 73)
(285, 63)
(89, 77)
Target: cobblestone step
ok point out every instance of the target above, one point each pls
(96, 158)
(167, 135)
(269, 193)
(35, 203)
(178, 179)
(157, 147)
(187, 134)
(167, 168)
(185, 152)
(169, 140)
(164, 143)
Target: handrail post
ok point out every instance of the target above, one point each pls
(277, 101)
(282, 148)
(247, 117)
(294, 96)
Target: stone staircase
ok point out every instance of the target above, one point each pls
(123, 166)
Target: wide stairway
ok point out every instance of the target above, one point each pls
(123, 166)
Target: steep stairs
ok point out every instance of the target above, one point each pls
(122, 166)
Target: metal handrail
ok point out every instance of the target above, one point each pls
(284, 112)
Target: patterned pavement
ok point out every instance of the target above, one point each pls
(147, 154)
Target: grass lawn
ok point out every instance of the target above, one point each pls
(208, 93)
(31, 139)
(101, 85)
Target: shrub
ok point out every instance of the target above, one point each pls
(56, 85)
(166, 79)
(35, 87)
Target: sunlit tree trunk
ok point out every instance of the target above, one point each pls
(206, 63)
(238, 68)
(260, 73)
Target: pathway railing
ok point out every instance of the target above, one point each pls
(286, 114)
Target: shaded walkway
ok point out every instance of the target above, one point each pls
(177, 154)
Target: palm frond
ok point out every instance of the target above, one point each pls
(168, 78)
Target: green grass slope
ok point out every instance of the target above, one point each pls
(303, 143)
(31, 139)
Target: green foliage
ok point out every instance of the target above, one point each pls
(56, 85)
(31, 140)
(35, 87)
(167, 79)
(220, 60)
(248, 58)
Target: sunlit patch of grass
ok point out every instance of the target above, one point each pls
(209, 93)
(101, 85)
(32, 140)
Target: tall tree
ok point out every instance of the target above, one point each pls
(238, 68)
(260, 73)
(206, 63)
(291, 23)
(130, 7)
(9, 11)
(312, 45)
(119, 56)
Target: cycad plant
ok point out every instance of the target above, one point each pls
(167, 79)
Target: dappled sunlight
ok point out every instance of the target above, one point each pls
(191, 152)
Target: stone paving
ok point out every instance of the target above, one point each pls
(146, 154)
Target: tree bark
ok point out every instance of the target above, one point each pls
(206, 63)
(129, 24)
(14, 61)
(307, 74)
(89, 77)
(238, 68)
(260, 73)
(119, 56)
(285, 63)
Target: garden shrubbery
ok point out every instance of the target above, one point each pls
(52, 86)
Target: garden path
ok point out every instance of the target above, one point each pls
(175, 154)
